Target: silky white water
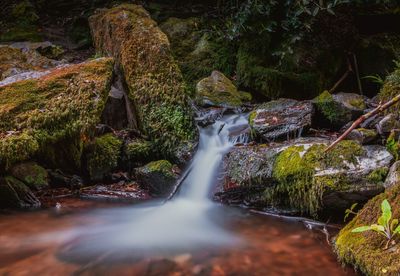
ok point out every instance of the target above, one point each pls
(188, 221)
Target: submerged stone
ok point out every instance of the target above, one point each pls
(283, 118)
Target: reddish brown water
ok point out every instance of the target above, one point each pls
(270, 246)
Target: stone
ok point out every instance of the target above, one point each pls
(362, 135)
(154, 80)
(393, 176)
(15, 194)
(218, 90)
(387, 124)
(51, 117)
(335, 110)
(157, 177)
(298, 175)
(283, 118)
(33, 175)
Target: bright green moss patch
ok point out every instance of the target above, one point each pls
(365, 251)
(138, 151)
(328, 107)
(393, 145)
(52, 116)
(378, 175)
(103, 156)
(162, 166)
(390, 89)
(296, 171)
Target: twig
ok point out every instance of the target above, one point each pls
(345, 75)
(364, 117)
(181, 180)
(357, 74)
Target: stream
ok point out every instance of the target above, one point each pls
(188, 235)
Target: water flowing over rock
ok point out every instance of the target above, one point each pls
(300, 176)
(283, 118)
(155, 82)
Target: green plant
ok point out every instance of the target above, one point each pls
(386, 226)
(350, 211)
(375, 79)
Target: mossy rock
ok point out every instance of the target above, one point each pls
(365, 251)
(218, 90)
(33, 175)
(155, 82)
(363, 135)
(390, 89)
(50, 118)
(102, 156)
(137, 153)
(15, 194)
(336, 110)
(157, 177)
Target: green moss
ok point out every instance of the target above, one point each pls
(358, 103)
(33, 175)
(390, 89)
(295, 169)
(393, 145)
(252, 116)
(161, 166)
(52, 116)
(155, 82)
(328, 107)
(378, 175)
(103, 156)
(365, 251)
(138, 151)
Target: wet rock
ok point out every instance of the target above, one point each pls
(336, 110)
(155, 81)
(283, 118)
(388, 123)
(362, 135)
(208, 116)
(127, 191)
(393, 177)
(102, 156)
(33, 175)
(58, 179)
(184, 153)
(218, 90)
(299, 175)
(158, 177)
(15, 194)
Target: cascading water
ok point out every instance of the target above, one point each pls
(188, 221)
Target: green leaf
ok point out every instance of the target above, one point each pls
(386, 211)
(377, 228)
(361, 229)
(397, 230)
(393, 224)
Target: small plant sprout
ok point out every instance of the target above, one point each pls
(386, 226)
(350, 211)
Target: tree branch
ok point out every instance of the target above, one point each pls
(379, 109)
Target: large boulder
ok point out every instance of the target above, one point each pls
(283, 118)
(300, 176)
(366, 251)
(158, 177)
(51, 117)
(155, 82)
(15, 194)
(393, 176)
(218, 90)
(336, 110)
(33, 175)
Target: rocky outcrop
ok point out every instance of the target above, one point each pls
(300, 176)
(366, 251)
(335, 110)
(33, 175)
(158, 177)
(52, 117)
(218, 90)
(15, 194)
(155, 83)
(283, 118)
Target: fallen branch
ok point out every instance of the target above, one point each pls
(345, 75)
(379, 109)
(178, 184)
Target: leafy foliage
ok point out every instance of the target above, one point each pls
(386, 226)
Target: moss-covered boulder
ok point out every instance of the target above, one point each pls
(300, 176)
(336, 110)
(102, 156)
(390, 89)
(137, 152)
(52, 117)
(283, 118)
(363, 135)
(15, 194)
(366, 251)
(33, 175)
(155, 82)
(218, 90)
(157, 177)
(387, 124)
